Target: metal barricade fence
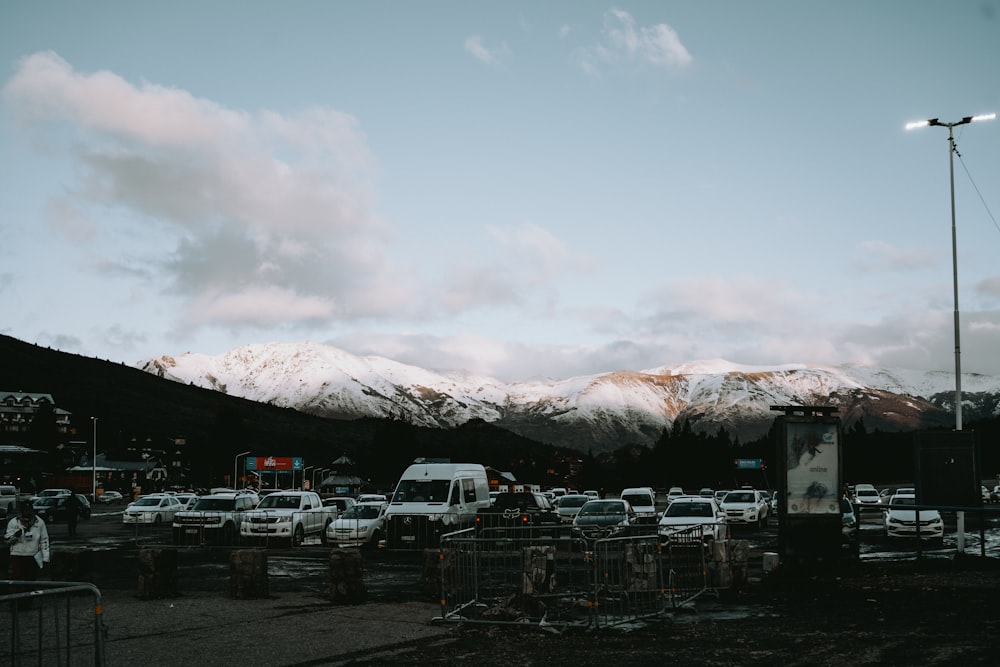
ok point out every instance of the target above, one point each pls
(52, 623)
(566, 580)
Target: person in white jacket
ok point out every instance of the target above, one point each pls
(28, 538)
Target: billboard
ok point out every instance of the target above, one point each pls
(812, 467)
(274, 463)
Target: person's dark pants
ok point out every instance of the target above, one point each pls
(23, 568)
(71, 524)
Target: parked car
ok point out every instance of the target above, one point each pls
(674, 492)
(342, 503)
(643, 502)
(594, 494)
(569, 505)
(516, 510)
(153, 509)
(108, 497)
(372, 498)
(52, 509)
(746, 506)
(901, 521)
(694, 512)
(215, 518)
(603, 518)
(187, 500)
(866, 494)
(361, 525)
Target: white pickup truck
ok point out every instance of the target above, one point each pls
(289, 517)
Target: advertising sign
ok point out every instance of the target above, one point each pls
(812, 468)
(274, 463)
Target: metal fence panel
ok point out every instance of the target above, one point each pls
(564, 581)
(52, 623)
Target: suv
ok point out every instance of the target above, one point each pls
(516, 510)
(746, 506)
(215, 518)
(643, 502)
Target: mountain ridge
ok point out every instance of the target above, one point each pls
(599, 412)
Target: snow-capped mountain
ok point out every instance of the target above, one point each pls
(595, 412)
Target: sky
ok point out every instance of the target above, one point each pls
(517, 189)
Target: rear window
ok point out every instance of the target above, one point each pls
(638, 499)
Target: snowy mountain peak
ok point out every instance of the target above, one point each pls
(598, 412)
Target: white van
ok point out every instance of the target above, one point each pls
(434, 498)
(643, 502)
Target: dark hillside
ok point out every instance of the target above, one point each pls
(135, 407)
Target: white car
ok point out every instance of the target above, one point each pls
(152, 509)
(643, 502)
(375, 498)
(866, 494)
(902, 521)
(569, 506)
(694, 511)
(110, 497)
(361, 525)
(745, 506)
(675, 492)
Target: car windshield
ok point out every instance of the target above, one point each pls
(44, 502)
(739, 497)
(361, 512)
(867, 492)
(573, 501)
(689, 509)
(518, 501)
(422, 491)
(276, 501)
(602, 507)
(640, 499)
(902, 500)
(215, 505)
(146, 502)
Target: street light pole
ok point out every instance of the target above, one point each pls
(235, 461)
(954, 244)
(93, 466)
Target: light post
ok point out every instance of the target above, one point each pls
(93, 465)
(321, 472)
(235, 469)
(954, 244)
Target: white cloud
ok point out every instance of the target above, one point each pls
(881, 256)
(657, 45)
(267, 217)
(496, 56)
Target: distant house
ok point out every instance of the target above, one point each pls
(18, 410)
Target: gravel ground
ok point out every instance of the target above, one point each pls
(933, 612)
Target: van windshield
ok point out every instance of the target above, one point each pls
(422, 491)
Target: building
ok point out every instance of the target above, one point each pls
(18, 410)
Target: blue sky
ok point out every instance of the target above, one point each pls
(519, 189)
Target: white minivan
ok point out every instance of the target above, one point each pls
(643, 502)
(433, 498)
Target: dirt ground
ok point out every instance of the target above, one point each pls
(941, 611)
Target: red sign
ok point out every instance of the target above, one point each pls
(269, 463)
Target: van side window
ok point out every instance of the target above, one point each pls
(469, 490)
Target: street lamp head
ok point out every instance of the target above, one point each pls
(984, 116)
(918, 123)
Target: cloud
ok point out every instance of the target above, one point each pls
(474, 45)
(623, 41)
(876, 256)
(263, 215)
(524, 260)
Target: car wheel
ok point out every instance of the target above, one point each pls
(298, 537)
(322, 536)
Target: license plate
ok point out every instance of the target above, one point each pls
(409, 538)
(191, 531)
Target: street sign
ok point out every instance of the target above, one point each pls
(749, 464)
